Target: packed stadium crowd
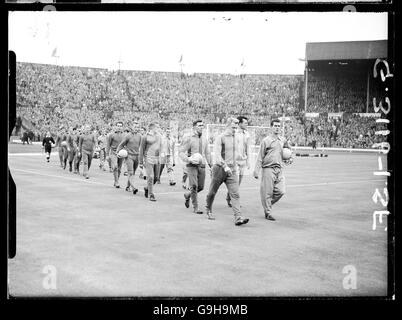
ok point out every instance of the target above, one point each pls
(337, 93)
(50, 97)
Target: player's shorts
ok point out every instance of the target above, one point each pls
(152, 159)
(132, 164)
(115, 162)
(241, 166)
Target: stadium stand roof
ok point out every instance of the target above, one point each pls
(351, 50)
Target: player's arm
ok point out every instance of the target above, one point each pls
(122, 144)
(162, 146)
(248, 151)
(173, 150)
(139, 145)
(142, 150)
(52, 140)
(80, 145)
(69, 140)
(108, 143)
(260, 157)
(218, 152)
(184, 148)
(94, 138)
(287, 145)
(208, 153)
(43, 142)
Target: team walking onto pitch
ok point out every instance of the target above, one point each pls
(154, 149)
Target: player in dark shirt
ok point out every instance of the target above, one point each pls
(61, 137)
(47, 143)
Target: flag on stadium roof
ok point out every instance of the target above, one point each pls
(54, 52)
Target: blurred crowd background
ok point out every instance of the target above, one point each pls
(50, 97)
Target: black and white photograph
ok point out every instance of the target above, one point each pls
(201, 154)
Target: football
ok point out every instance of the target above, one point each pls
(196, 158)
(122, 153)
(286, 154)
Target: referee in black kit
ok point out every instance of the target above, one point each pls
(47, 143)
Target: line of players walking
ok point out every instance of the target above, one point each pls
(151, 151)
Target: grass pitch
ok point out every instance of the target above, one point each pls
(103, 241)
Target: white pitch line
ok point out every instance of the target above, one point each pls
(31, 154)
(59, 177)
(180, 192)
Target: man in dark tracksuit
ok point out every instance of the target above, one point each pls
(72, 146)
(78, 156)
(225, 171)
(47, 144)
(243, 141)
(86, 148)
(195, 143)
(112, 142)
(150, 152)
(62, 136)
(169, 160)
(131, 142)
(102, 150)
(269, 158)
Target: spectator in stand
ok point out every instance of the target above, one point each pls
(49, 97)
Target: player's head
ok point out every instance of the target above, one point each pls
(48, 134)
(198, 126)
(276, 126)
(143, 130)
(167, 132)
(119, 126)
(243, 122)
(152, 127)
(134, 126)
(232, 123)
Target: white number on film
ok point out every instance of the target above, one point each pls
(380, 107)
(379, 213)
(383, 77)
(385, 146)
(350, 280)
(50, 280)
(377, 195)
